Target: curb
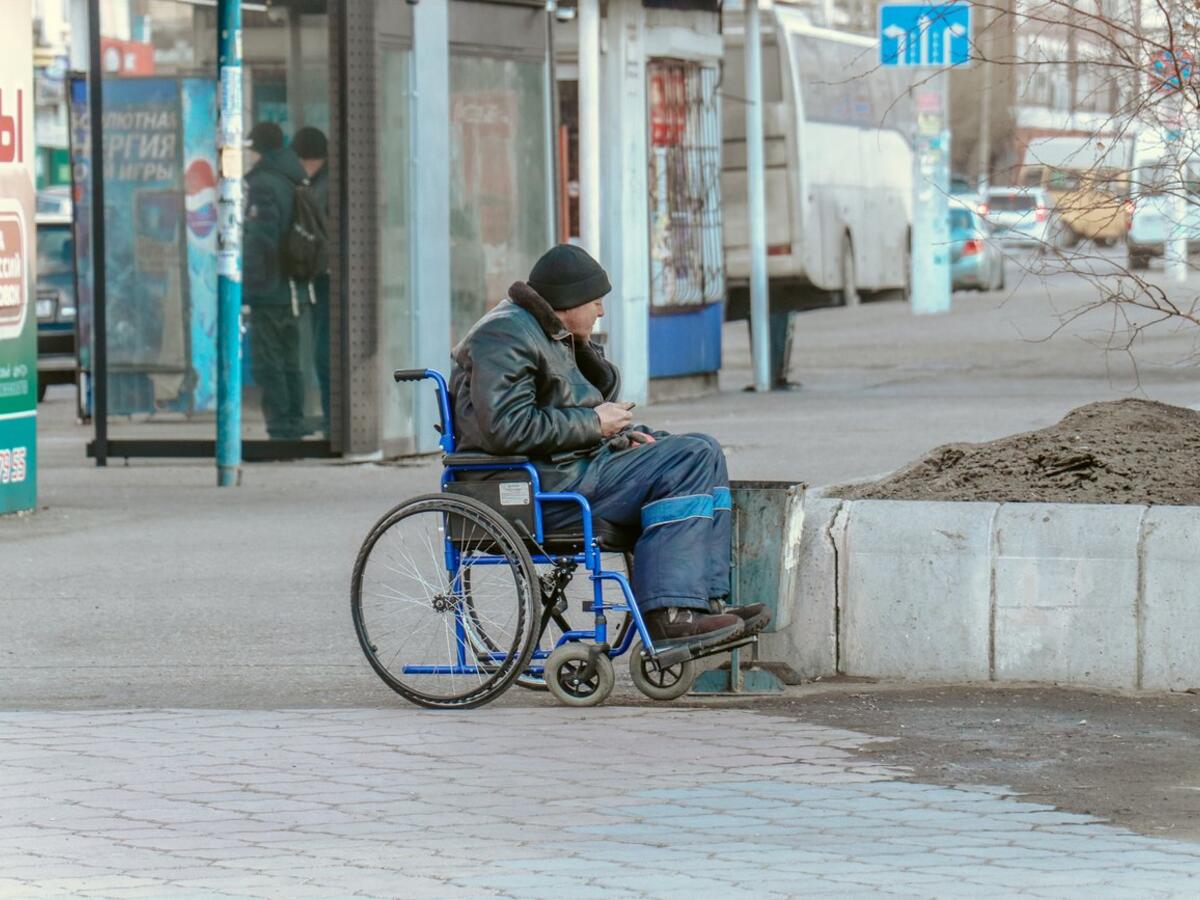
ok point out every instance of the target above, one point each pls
(1104, 596)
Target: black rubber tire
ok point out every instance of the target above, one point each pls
(906, 291)
(849, 292)
(508, 544)
(1139, 262)
(42, 391)
(565, 662)
(660, 684)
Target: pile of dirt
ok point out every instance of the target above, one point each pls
(1127, 451)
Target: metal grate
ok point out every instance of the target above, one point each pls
(686, 262)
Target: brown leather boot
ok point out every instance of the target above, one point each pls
(755, 616)
(675, 627)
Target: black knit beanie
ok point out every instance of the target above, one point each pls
(567, 277)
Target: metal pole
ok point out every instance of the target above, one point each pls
(756, 204)
(550, 96)
(99, 274)
(931, 189)
(1177, 239)
(229, 244)
(985, 121)
(295, 71)
(589, 126)
(1177, 250)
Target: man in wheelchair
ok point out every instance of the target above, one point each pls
(529, 381)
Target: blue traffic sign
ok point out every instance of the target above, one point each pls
(924, 34)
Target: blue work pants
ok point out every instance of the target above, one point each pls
(676, 491)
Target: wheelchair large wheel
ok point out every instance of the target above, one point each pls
(477, 633)
(408, 601)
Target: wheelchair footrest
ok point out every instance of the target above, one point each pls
(676, 655)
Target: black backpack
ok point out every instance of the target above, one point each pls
(305, 251)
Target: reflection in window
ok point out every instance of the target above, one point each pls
(498, 196)
(396, 349)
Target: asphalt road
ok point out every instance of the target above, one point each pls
(141, 583)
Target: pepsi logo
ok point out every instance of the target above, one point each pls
(200, 198)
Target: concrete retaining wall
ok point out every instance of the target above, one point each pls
(1104, 596)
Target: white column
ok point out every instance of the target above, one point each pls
(756, 205)
(430, 227)
(626, 197)
(589, 125)
(78, 50)
(295, 72)
(1176, 252)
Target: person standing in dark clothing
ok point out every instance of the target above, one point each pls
(312, 148)
(274, 301)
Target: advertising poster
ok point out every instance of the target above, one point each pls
(147, 243)
(200, 203)
(18, 256)
(144, 247)
(81, 196)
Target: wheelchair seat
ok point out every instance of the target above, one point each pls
(482, 459)
(612, 538)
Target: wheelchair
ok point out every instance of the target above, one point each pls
(457, 595)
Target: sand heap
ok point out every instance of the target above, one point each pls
(1127, 451)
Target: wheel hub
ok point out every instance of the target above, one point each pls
(445, 602)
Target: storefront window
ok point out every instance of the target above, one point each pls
(686, 257)
(159, 168)
(498, 186)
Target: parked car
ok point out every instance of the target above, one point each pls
(55, 301)
(975, 261)
(1151, 223)
(963, 194)
(1153, 206)
(1021, 217)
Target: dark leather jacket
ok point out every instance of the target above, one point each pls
(522, 384)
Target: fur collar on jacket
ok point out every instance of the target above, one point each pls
(533, 303)
(595, 368)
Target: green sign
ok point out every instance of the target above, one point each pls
(18, 257)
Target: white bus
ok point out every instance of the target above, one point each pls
(839, 165)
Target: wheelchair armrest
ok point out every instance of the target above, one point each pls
(482, 459)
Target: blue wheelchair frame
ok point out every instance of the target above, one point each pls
(589, 557)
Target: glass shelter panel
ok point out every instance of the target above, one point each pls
(159, 167)
(394, 214)
(498, 188)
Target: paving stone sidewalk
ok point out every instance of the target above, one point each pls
(524, 803)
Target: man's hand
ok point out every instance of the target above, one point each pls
(640, 437)
(614, 417)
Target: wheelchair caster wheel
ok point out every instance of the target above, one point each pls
(579, 674)
(668, 683)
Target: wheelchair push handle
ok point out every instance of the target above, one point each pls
(446, 429)
(410, 374)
